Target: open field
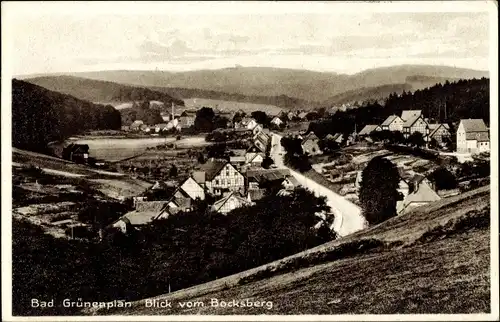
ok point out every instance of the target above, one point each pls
(115, 149)
(230, 106)
(112, 184)
(434, 259)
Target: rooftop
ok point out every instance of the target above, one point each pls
(407, 114)
(474, 125)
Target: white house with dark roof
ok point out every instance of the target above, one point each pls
(230, 202)
(472, 136)
(276, 121)
(393, 123)
(421, 195)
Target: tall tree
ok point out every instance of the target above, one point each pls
(378, 192)
(204, 121)
(261, 117)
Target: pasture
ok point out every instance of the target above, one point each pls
(116, 149)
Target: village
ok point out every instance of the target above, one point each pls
(244, 162)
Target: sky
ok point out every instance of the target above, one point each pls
(324, 36)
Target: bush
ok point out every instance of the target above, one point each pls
(378, 192)
(443, 179)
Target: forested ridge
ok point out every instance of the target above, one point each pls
(40, 116)
(441, 103)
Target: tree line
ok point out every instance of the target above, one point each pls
(40, 116)
(441, 103)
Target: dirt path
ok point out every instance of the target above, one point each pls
(348, 218)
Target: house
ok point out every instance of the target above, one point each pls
(174, 124)
(351, 138)
(187, 118)
(160, 127)
(192, 188)
(276, 121)
(310, 144)
(145, 128)
(367, 130)
(393, 123)
(338, 137)
(291, 116)
(252, 123)
(438, 132)
(230, 202)
(415, 124)
(422, 194)
(144, 213)
(165, 116)
(262, 141)
(256, 161)
(257, 129)
(408, 114)
(218, 176)
(259, 180)
(125, 128)
(238, 158)
(180, 201)
(252, 152)
(302, 115)
(136, 125)
(472, 136)
(78, 153)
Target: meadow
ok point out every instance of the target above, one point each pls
(116, 149)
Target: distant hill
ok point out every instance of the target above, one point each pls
(284, 88)
(274, 82)
(282, 101)
(40, 116)
(101, 91)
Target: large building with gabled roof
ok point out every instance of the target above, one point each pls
(473, 136)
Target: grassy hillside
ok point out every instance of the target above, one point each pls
(264, 81)
(40, 116)
(432, 260)
(101, 91)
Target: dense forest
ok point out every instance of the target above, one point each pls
(443, 103)
(101, 91)
(145, 111)
(40, 116)
(181, 251)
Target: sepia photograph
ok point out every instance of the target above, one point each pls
(249, 160)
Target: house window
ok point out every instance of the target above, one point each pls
(216, 182)
(223, 182)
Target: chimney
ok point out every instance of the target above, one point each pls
(173, 112)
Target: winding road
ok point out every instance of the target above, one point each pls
(348, 217)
